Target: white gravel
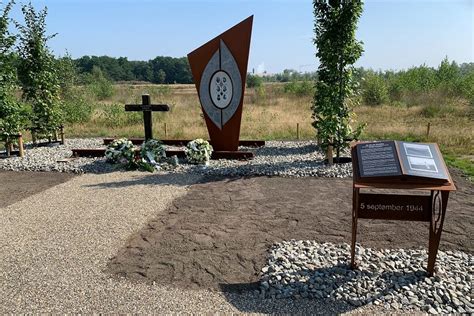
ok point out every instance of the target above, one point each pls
(276, 158)
(394, 279)
(54, 247)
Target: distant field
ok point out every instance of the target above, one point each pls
(270, 114)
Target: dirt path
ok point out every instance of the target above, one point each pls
(219, 232)
(16, 186)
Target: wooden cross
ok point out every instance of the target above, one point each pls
(146, 107)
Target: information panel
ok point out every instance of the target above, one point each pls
(422, 160)
(395, 158)
(378, 159)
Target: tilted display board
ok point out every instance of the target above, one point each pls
(401, 166)
(402, 160)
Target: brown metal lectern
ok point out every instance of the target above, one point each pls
(425, 208)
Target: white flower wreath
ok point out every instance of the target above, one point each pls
(198, 151)
(120, 151)
(152, 151)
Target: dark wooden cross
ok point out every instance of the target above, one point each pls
(146, 107)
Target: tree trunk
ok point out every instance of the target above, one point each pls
(341, 101)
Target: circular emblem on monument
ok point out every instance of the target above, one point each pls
(221, 89)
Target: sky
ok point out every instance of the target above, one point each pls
(397, 34)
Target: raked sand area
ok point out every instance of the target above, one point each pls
(61, 249)
(56, 244)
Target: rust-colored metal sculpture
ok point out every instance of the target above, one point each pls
(401, 166)
(219, 68)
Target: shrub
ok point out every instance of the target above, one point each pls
(299, 88)
(113, 115)
(437, 110)
(13, 117)
(254, 81)
(77, 110)
(374, 90)
(337, 51)
(38, 72)
(102, 89)
(98, 84)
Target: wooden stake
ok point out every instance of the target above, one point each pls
(61, 130)
(329, 155)
(33, 136)
(166, 131)
(20, 145)
(428, 130)
(298, 131)
(7, 147)
(329, 152)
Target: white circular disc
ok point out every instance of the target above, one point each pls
(221, 89)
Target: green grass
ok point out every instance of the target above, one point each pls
(273, 114)
(466, 165)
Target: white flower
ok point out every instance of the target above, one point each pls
(120, 151)
(198, 151)
(152, 151)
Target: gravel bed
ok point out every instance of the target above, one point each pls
(46, 158)
(277, 158)
(55, 247)
(393, 279)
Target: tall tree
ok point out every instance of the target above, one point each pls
(337, 50)
(12, 118)
(38, 72)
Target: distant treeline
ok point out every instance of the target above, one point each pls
(158, 70)
(161, 70)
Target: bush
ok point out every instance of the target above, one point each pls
(77, 110)
(299, 88)
(12, 114)
(466, 87)
(114, 115)
(102, 89)
(38, 72)
(254, 81)
(374, 90)
(98, 84)
(437, 110)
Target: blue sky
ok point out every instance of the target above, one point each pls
(397, 34)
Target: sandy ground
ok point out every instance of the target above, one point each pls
(59, 246)
(15, 186)
(55, 246)
(217, 235)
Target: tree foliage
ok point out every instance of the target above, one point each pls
(254, 81)
(417, 84)
(38, 73)
(374, 89)
(12, 118)
(337, 50)
(158, 70)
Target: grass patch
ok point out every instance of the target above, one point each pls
(466, 165)
(272, 112)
